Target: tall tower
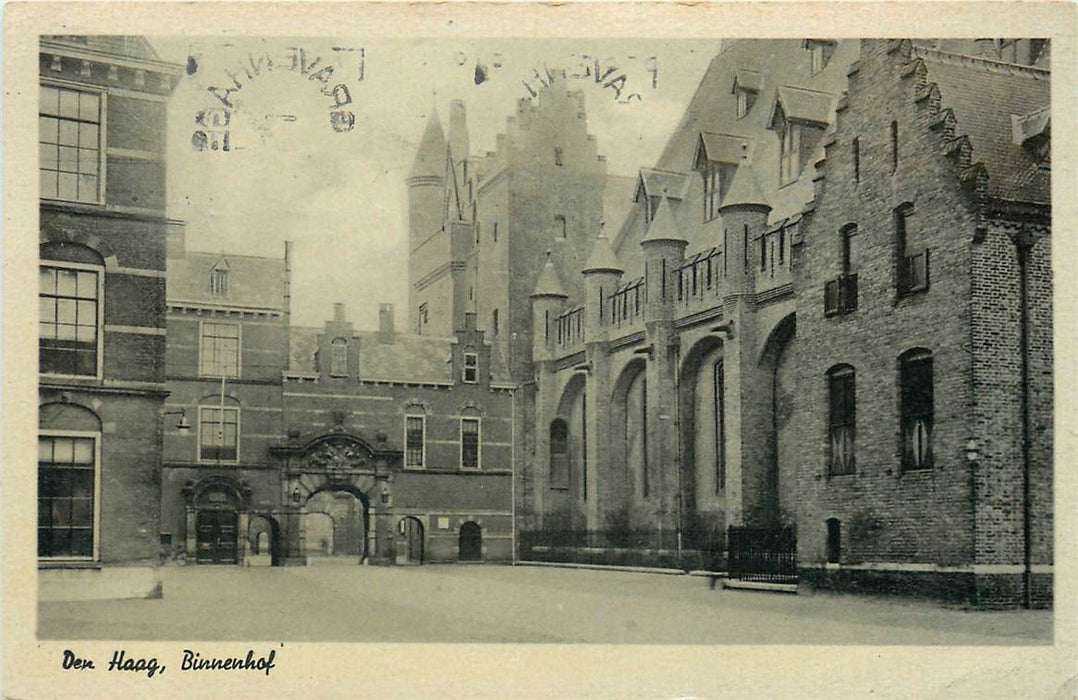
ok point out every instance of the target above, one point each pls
(426, 201)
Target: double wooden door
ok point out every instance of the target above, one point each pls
(217, 541)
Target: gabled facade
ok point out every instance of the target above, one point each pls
(102, 125)
(828, 310)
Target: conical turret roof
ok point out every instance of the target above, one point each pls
(548, 284)
(663, 227)
(602, 258)
(744, 190)
(430, 158)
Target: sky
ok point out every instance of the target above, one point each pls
(336, 189)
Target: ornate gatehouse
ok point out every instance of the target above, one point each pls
(350, 471)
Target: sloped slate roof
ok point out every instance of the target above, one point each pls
(409, 358)
(602, 258)
(656, 183)
(430, 158)
(548, 284)
(983, 96)
(663, 227)
(723, 148)
(748, 80)
(252, 281)
(744, 189)
(802, 105)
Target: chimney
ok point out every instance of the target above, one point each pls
(986, 48)
(385, 323)
(338, 312)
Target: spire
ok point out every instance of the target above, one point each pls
(548, 284)
(430, 158)
(663, 227)
(744, 190)
(602, 258)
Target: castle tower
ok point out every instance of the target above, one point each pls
(426, 201)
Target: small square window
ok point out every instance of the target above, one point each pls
(471, 368)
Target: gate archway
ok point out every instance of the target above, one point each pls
(410, 547)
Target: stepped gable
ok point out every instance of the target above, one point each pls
(986, 126)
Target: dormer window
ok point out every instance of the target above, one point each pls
(820, 52)
(471, 368)
(799, 117)
(712, 188)
(746, 87)
(717, 159)
(219, 282)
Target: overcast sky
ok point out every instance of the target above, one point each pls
(340, 196)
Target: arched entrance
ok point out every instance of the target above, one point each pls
(471, 542)
(784, 449)
(410, 545)
(335, 524)
(264, 538)
(703, 436)
(217, 525)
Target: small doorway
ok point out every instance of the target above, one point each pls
(216, 536)
(410, 549)
(471, 542)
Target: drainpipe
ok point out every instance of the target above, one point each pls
(1023, 243)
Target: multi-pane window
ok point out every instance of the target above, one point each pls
(68, 320)
(842, 413)
(413, 441)
(790, 154)
(220, 349)
(69, 133)
(219, 282)
(338, 358)
(65, 496)
(218, 429)
(915, 382)
(469, 443)
(471, 368)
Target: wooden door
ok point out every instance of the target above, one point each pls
(217, 536)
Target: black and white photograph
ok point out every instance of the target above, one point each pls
(395, 338)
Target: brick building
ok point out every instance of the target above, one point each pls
(829, 308)
(102, 166)
(331, 443)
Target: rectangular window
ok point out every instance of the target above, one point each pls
(917, 410)
(414, 433)
(841, 420)
(219, 283)
(494, 322)
(857, 161)
(218, 430)
(69, 135)
(69, 321)
(495, 231)
(338, 358)
(840, 295)
(66, 476)
(469, 443)
(790, 155)
(471, 368)
(712, 187)
(894, 146)
(742, 103)
(220, 349)
(915, 272)
(912, 273)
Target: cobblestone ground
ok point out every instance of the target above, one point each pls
(464, 603)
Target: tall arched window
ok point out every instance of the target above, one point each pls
(559, 454)
(915, 385)
(842, 414)
(718, 380)
(338, 358)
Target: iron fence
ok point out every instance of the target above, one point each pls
(767, 555)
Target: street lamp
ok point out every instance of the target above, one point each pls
(183, 426)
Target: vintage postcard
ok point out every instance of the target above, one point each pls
(576, 350)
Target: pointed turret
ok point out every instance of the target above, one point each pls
(664, 251)
(548, 284)
(663, 227)
(602, 258)
(547, 301)
(744, 190)
(430, 158)
(744, 214)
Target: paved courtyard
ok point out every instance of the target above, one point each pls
(515, 604)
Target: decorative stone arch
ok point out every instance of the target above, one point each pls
(702, 434)
(85, 239)
(64, 415)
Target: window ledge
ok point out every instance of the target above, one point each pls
(67, 564)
